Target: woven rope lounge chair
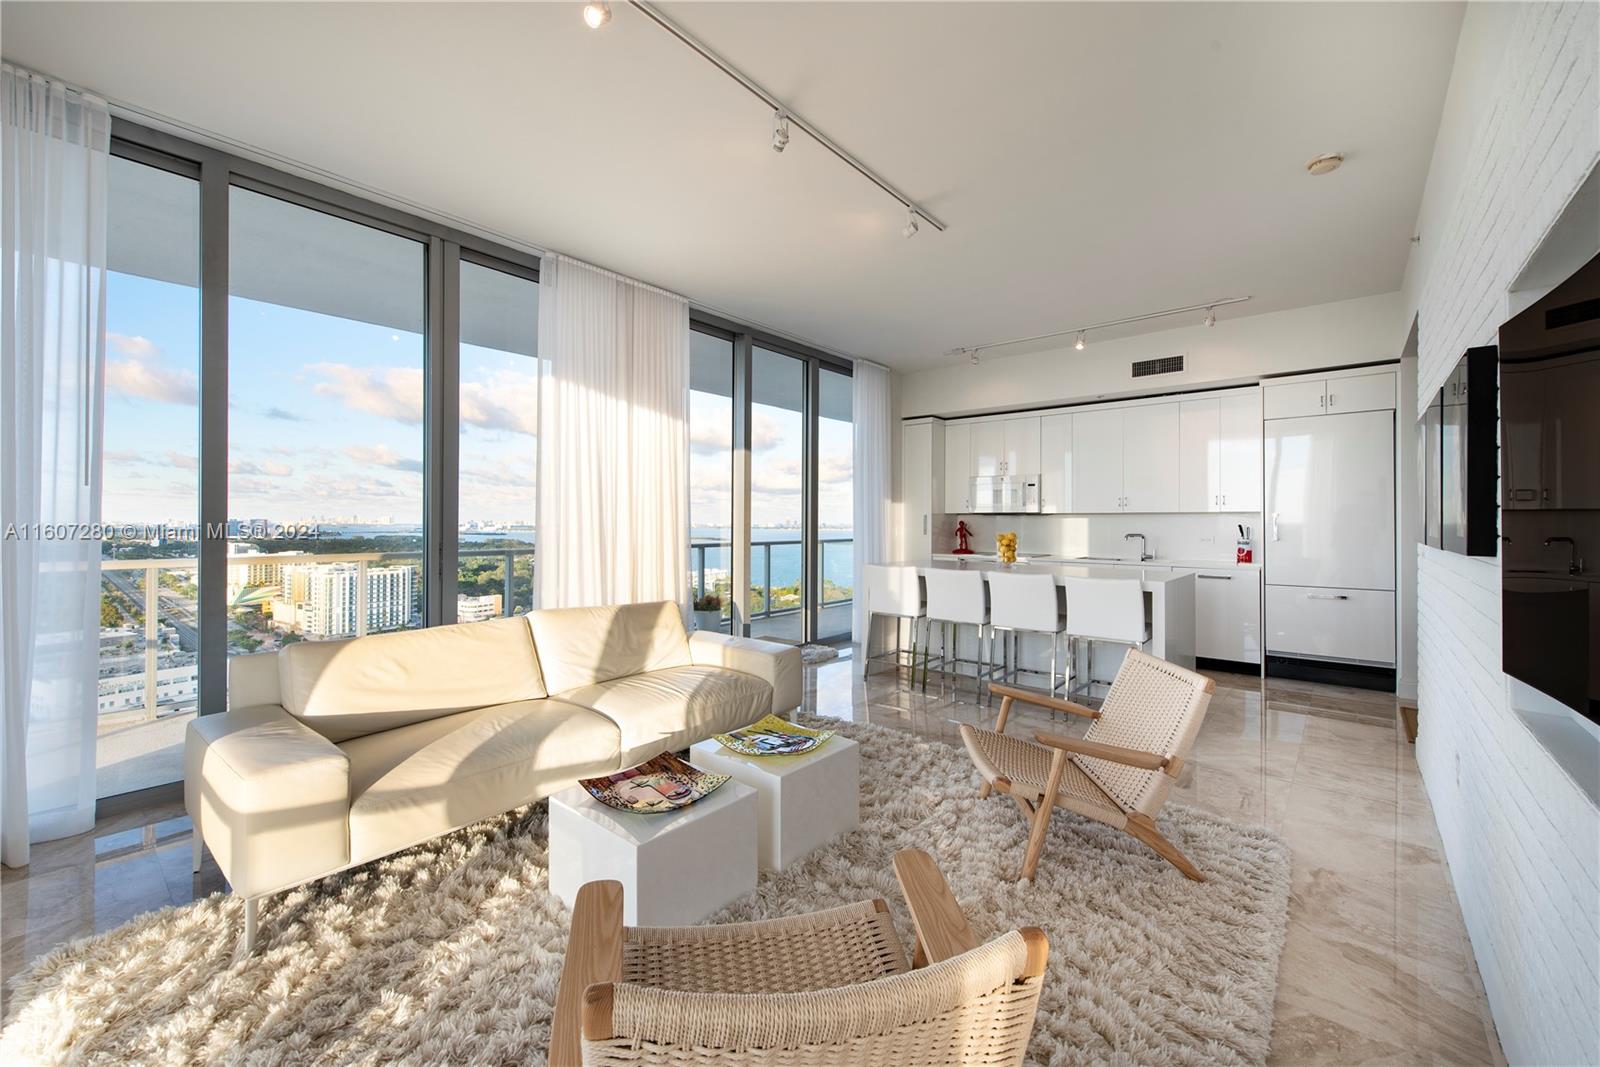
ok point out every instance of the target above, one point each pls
(832, 987)
(1119, 773)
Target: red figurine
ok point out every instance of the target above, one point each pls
(963, 532)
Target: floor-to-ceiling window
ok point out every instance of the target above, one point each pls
(498, 454)
(321, 422)
(835, 505)
(326, 372)
(711, 475)
(149, 642)
(778, 449)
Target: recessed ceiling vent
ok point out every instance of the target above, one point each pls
(1144, 368)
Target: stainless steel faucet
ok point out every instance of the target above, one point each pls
(1574, 561)
(1144, 545)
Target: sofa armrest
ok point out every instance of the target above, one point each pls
(777, 664)
(269, 796)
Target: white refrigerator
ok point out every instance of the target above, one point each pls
(1329, 558)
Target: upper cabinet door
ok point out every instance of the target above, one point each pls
(1200, 461)
(1097, 461)
(1021, 446)
(1363, 392)
(988, 449)
(1055, 464)
(1293, 400)
(958, 468)
(1150, 475)
(1239, 420)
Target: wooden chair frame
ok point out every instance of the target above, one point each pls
(1140, 825)
(594, 963)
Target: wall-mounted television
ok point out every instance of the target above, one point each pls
(1458, 452)
(1550, 493)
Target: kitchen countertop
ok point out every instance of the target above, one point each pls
(1151, 575)
(1204, 564)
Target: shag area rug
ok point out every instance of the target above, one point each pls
(450, 952)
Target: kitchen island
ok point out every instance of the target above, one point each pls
(1168, 598)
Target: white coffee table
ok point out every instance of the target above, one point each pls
(806, 800)
(675, 869)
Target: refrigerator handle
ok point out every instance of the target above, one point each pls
(1275, 536)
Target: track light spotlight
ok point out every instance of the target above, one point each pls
(910, 229)
(972, 354)
(1211, 316)
(596, 13)
(780, 131)
(1079, 343)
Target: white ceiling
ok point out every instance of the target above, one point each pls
(1092, 160)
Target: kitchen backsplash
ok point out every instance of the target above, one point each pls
(1199, 537)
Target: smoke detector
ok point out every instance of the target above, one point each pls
(1325, 164)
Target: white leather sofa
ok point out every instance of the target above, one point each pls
(333, 753)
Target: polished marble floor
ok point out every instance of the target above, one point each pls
(1376, 968)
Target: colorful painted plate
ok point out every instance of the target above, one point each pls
(773, 736)
(656, 786)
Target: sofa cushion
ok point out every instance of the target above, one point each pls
(418, 781)
(346, 689)
(668, 710)
(582, 646)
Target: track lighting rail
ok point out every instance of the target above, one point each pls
(1081, 331)
(755, 89)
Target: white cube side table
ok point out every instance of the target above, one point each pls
(806, 800)
(675, 869)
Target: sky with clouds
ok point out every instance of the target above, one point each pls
(325, 422)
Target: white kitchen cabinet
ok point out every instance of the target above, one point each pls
(988, 448)
(1293, 399)
(916, 489)
(1055, 465)
(1199, 455)
(1326, 396)
(957, 468)
(1020, 451)
(1361, 392)
(1150, 475)
(1227, 613)
(1330, 623)
(1239, 451)
(1097, 461)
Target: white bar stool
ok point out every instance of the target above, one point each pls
(1104, 609)
(894, 593)
(1024, 604)
(956, 598)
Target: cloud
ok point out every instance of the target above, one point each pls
(126, 459)
(835, 468)
(139, 378)
(388, 392)
(188, 463)
(383, 456)
(286, 416)
(133, 347)
(711, 438)
(506, 401)
(268, 468)
(765, 432)
(502, 477)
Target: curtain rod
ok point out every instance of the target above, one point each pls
(755, 89)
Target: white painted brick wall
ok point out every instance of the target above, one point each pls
(1522, 839)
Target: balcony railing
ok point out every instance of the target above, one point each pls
(762, 605)
(163, 594)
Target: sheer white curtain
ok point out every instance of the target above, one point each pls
(873, 417)
(54, 147)
(614, 439)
